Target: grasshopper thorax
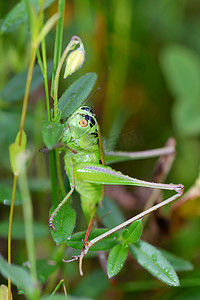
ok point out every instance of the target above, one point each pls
(81, 129)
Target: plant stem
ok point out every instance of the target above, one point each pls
(62, 187)
(73, 42)
(10, 230)
(28, 84)
(58, 41)
(53, 177)
(57, 55)
(28, 221)
(45, 79)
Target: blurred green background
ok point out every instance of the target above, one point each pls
(147, 54)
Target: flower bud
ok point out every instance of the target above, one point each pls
(74, 61)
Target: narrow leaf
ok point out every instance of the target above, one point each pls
(76, 94)
(154, 262)
(18, 275)
(15, 88)
(116, 259)
(17, 15)
(47, 27)
(64, 223)
(133, 232)
(51, 133)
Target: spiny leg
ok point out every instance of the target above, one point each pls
(179, 189)
(84, 243)
(54, 213)
(88, 230)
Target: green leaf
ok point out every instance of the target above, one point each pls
(116, 259)
(154, 262)
(76, 94)
(15, 88)
(51, 133)
(18, 275)
(179, 264)
(17, 15)
(186, 117)
(133, 232)
(76, 240)
(6, 195)
(64, 223)
(18, 232)
(44, 269)
(181, 67)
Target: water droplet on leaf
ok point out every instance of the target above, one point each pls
(154, 256)
(167, 270)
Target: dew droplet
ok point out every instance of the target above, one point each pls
(167, 270)
(5, 201)
(146, 265)
(154, 256)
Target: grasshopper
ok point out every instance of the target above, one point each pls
(84, 165)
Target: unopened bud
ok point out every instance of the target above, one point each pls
(74, 61)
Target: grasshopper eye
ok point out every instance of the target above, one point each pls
(83, 123)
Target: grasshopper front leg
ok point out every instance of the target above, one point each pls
(54, 213)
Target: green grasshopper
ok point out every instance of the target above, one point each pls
(84, 165)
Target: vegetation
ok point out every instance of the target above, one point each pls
(148, 70)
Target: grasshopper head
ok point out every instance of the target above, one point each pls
(81, 129)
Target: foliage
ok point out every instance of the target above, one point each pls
(151, 92)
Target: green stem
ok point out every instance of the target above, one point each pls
(58, 40)
(28, 84)
(45, 78)
(59, 173)
(57, 55)
(28, 221)
(53, 177)
(73, 42)
(10, 230)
